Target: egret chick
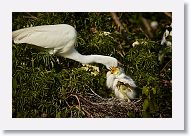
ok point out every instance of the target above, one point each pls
(122, 85)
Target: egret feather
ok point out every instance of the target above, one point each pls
(122, 85)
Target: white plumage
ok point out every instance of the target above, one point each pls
(166, 34)
(61, 40)
(122, 85)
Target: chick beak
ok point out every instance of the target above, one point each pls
(113, 70)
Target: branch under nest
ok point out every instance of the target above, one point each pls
(97, 107)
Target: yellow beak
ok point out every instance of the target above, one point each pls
(114, 70)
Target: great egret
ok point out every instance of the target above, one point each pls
(122, 85)
(167, 33)
(61, 39)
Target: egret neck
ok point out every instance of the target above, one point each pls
(85, 59)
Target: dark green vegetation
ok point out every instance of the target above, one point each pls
(47, 86)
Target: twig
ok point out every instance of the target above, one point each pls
(95, 93)
(88, 114)
(119, 25)
(67, 104)
(30, 16)
(116, 20)
(147, 26)
(77, 100)
(138, 101)
(169, 14)
(165, 66)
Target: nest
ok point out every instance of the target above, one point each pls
(94, 106)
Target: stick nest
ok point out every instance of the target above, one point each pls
(94, 106)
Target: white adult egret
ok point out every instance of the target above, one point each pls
(122, 85)
(167, 33)
(61, 39)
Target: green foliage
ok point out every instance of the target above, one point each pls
(143, 66)
(45, 86)
(142, 63)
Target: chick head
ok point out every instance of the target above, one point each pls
(115, 70)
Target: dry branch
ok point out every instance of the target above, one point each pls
(116, 20)
(147, 26)
(119, 25)
(169, 14)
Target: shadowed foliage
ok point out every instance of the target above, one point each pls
(49, 86)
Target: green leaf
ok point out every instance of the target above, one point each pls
(146, 113)
(131, 114)
(154, 90)
(145, 90)
(145, 104)
(58, 114)
(14, 83)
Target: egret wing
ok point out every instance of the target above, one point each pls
(126, 80)
(47, 36)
